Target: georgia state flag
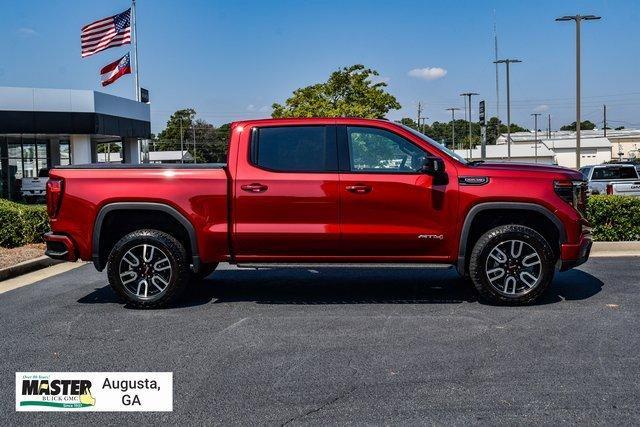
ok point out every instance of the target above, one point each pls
(112, 72)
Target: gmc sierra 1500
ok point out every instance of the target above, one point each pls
(321, 191)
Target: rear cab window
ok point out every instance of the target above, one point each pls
(295, 149)
(614, 172)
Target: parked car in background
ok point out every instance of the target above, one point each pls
(33, 189)
(619, 179)
(332, 191)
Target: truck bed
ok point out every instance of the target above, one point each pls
(197, 191)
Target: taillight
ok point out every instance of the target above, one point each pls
(609, 189)
(573, 192)
(54, 196)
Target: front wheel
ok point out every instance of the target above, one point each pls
(512, 264)
(148, 268)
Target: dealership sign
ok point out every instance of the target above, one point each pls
(94, 391)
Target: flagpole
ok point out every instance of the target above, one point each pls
(136, 79)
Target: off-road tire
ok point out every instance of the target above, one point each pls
(168, 247)
(506, 235)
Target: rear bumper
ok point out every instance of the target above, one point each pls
(60, 247)
(572, 255)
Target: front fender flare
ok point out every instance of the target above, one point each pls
(476, 209)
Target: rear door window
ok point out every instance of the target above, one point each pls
(295, 149)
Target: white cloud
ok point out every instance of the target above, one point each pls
(541, 108)
(27, 32)
(265, 109)
(428, 73)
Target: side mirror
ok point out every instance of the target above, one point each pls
(434, 166)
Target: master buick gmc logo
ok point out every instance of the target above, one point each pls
(57, 393)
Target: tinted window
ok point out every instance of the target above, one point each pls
(377, 150)
(615, 173)
(585, 172)
(291, 149)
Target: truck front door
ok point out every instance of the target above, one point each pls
(389, 208)
(286, 200)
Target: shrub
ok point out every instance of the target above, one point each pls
(21, 224)
(614, 217)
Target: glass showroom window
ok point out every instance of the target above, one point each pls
(65, 152)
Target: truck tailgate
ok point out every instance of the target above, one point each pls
(626, 188)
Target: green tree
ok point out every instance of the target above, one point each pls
(586, 125)
(349, 92)
(442, 131)
(180, 120)
(211, 143)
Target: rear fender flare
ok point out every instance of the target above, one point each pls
(111, 207)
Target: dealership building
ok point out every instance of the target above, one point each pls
(43, 128)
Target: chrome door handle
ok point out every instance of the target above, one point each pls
(359, 189)
(254, 188)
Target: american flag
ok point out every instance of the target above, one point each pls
(105, 33)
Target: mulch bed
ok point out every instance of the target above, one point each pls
(9, 257)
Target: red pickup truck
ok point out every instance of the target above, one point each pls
(301, 191)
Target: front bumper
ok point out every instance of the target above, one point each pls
(60, 247)
(572, 255)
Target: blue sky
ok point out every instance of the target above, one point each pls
(233, 59)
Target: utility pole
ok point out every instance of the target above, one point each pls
(578, 19)
(535, 132)
(193, 126)
(507, 62)
(549, 127)
(419, 112)
(605, 119)
(421, 127)
(469, 95)
(453, 125)
(181, 142)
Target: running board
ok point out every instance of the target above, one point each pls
(344, 265)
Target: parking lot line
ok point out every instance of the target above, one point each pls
(36, 276)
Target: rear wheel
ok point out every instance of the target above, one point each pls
(148, 268)
(512, 264)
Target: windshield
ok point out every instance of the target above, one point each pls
(436, 145)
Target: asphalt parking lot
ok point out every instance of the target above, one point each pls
(319, 346)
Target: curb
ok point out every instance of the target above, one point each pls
(613, 249)
(27, 267)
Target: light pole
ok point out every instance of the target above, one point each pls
(578, 19)
(535, 132)
(507, 62)
(469, 95)
(453, 125)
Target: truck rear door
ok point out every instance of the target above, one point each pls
(286, 200)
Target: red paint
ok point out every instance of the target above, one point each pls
(334, 216)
